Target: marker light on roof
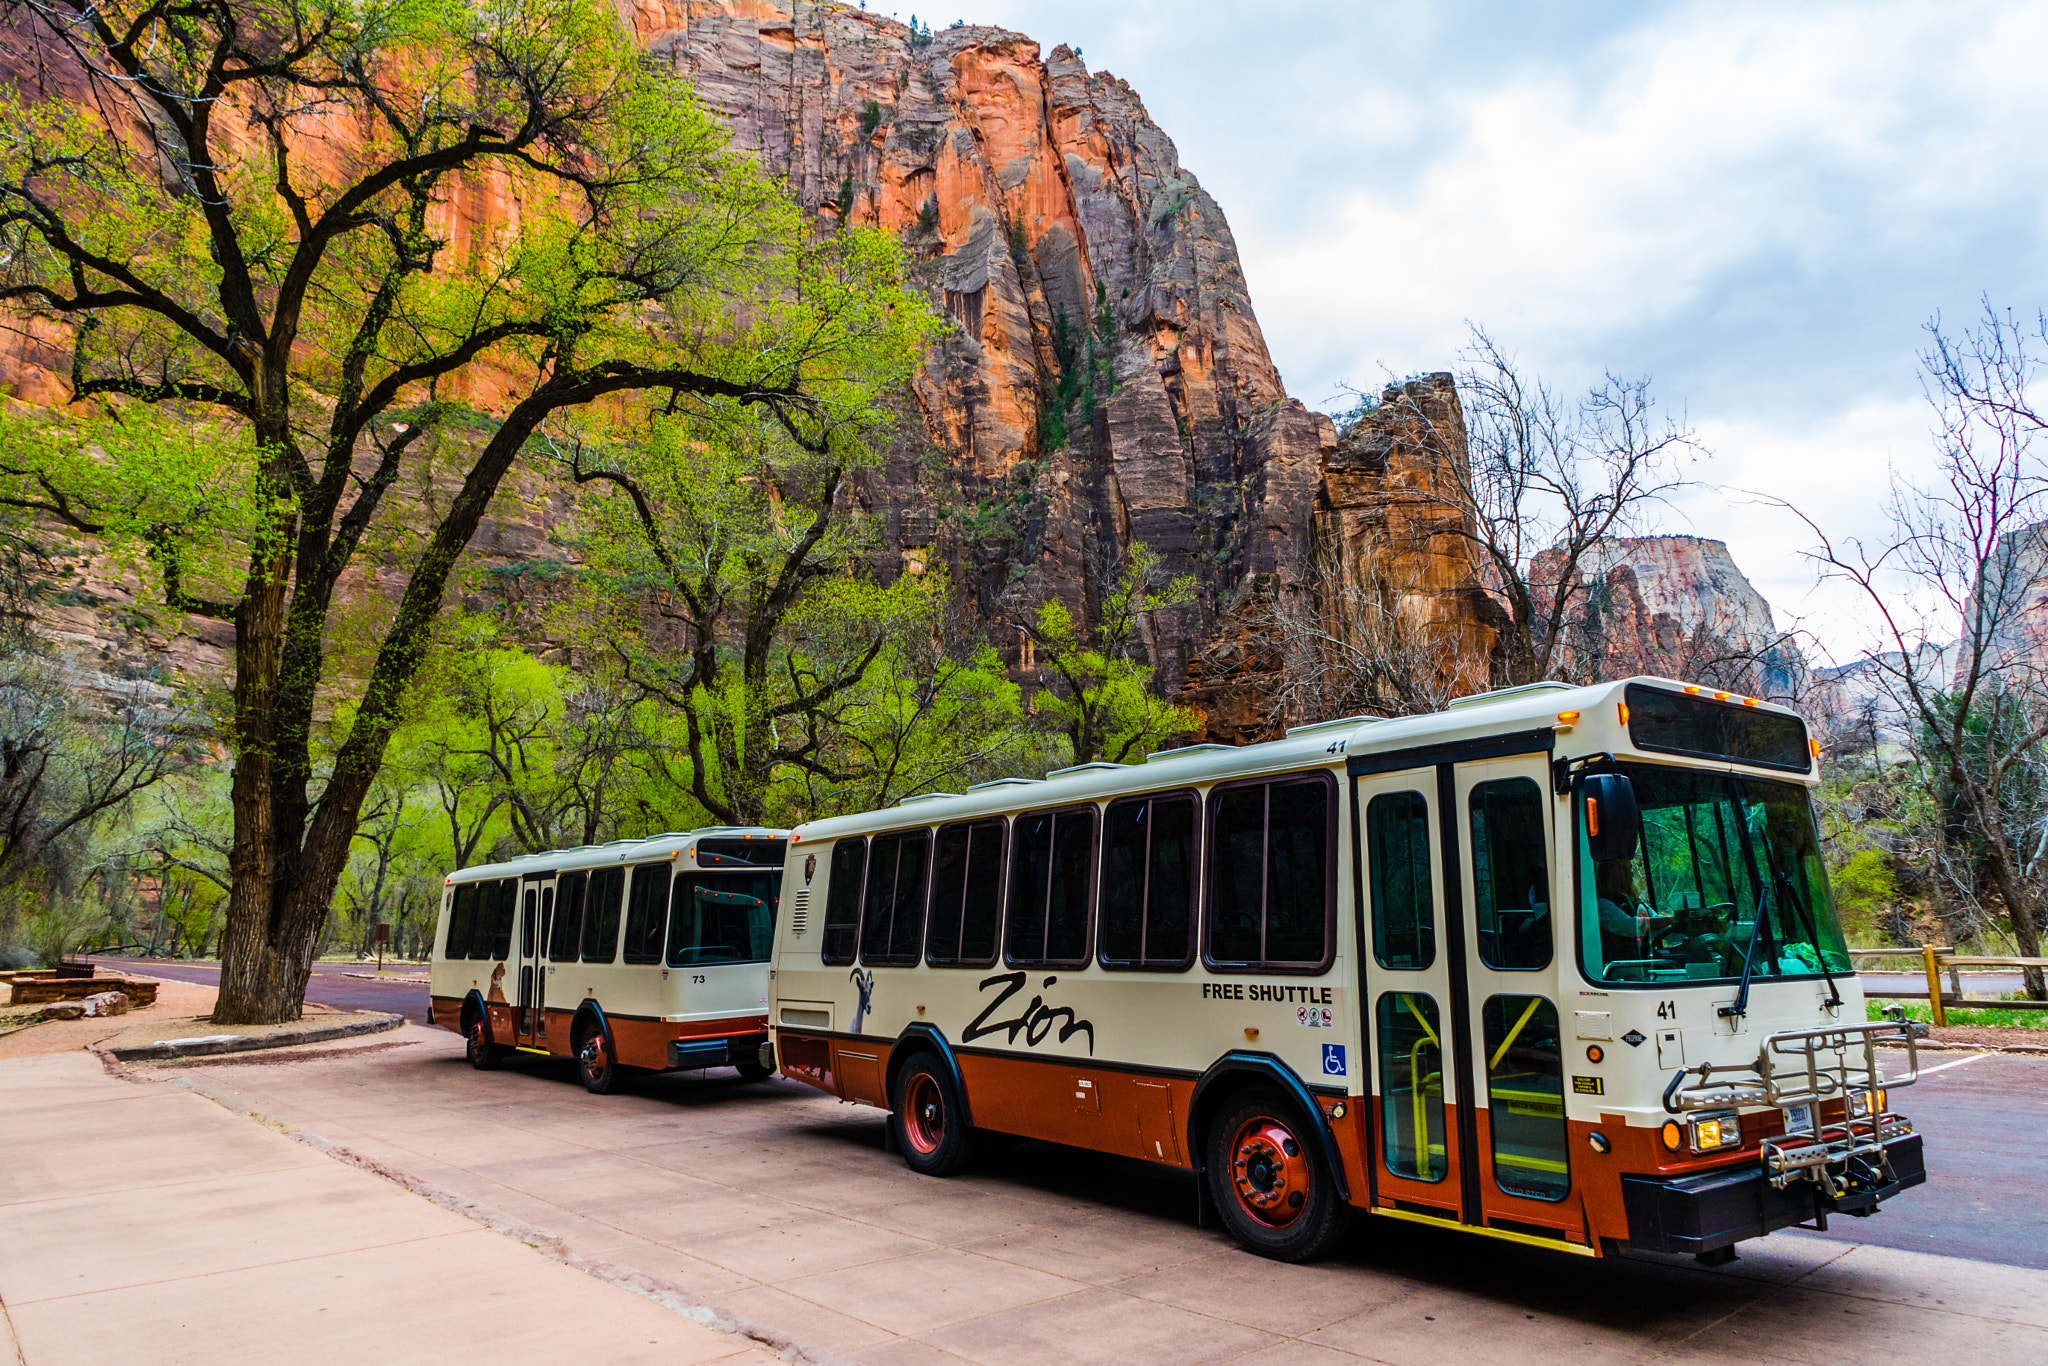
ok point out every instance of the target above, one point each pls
(1749, 701)
(1691, 688)
(1567, 718)
(1720, 697)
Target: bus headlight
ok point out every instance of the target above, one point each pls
(1711, 1133)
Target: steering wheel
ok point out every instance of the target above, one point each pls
(1670, 939)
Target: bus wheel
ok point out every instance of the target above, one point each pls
(1270, 1180)
(595, 1065)
(929, 1131)
(483, 1055)
(753, 1071)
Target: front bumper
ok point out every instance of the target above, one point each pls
(1717, 1209)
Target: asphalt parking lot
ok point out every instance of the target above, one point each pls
(778, 1206)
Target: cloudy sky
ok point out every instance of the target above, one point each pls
(1758, 205)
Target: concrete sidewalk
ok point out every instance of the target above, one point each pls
(773, 1202)
(144, 1222)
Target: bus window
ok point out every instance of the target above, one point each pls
(1512, 874)
(723, 918)
(1148, 882)
(646, 902)
(967, 895)
(461, 921)
(1052, 864)
(496, 909)
(564, 943)
(1397, 848)
(1271, 881)
(892, 916)
(1412, 1087)
(601, 915)
(1525, 1090)
(842, 901)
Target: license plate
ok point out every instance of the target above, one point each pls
(1798, 1119)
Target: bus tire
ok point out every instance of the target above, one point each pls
(483, 1054)
(596, 1068)
(1276, 1193)
(753, 1071)
(927, 1122)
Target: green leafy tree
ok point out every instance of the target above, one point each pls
(1095, 691)
(725, 575)
(277, 317)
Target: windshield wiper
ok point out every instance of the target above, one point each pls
(1740, 1005)
(1791, 894)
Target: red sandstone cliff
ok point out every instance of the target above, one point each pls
(1106, 381)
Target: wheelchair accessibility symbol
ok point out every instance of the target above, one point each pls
(1333, 1059)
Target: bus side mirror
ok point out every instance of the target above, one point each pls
(1613, 825)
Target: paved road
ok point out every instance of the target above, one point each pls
(776, 1204)
(1986, 1196)
(1974, 983)
(329, 987)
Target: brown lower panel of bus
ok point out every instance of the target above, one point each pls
(1144, 1115)
(1108, 1109)
(640, 1042)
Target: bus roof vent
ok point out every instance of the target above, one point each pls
(1085, 768)
(1158, 755)
(925, 797)
(1481, 699)
(1346, 722)
(1003, 782)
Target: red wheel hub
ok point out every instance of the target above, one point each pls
(593, 1054)
(1269, 1171)
(924, 1113)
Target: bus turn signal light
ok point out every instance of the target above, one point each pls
(1672, 1135)
(1621, 710)
(1592, 816)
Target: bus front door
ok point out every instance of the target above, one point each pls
(1412, 994)
(1516, 1140)
(536, 916)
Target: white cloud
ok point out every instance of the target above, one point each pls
(1757, 204)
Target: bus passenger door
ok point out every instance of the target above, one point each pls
(1410, 993)
(536, 917)
(1503, 822)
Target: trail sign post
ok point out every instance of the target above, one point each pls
(382, 934)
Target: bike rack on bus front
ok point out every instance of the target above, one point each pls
(1807, 1067)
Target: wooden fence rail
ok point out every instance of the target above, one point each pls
(1938, 958)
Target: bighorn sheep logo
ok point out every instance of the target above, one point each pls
(866, 982)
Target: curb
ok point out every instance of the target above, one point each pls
(206, 1047)
(2012, 1049)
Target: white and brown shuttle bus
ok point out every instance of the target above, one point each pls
(1557, 965)
(640, 955)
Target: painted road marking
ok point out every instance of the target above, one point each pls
(1959, 1062)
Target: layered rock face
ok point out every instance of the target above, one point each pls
(1105, 382)
(1676, 606)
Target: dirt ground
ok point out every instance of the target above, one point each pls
(1991, 1036)
(174, 1000)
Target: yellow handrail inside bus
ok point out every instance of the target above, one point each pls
(1422, 1148)
(1513, 1034)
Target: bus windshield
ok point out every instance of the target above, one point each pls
(1728, 873)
